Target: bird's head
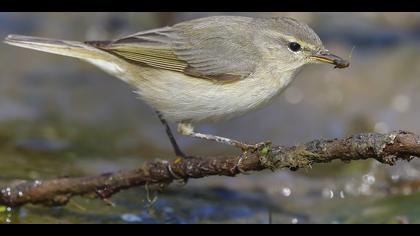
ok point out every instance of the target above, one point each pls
(292, 44)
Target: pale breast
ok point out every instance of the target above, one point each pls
(182, 98)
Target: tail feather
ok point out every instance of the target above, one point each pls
(56, 46)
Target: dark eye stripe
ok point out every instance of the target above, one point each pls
(294, 46)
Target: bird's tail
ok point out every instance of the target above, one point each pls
(56, 46)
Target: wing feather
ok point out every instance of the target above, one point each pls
(205, 49)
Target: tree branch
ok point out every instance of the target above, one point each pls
(385, 148)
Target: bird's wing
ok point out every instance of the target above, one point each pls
(202, 50)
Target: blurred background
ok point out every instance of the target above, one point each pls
(63, 117)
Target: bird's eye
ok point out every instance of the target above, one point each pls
(294, 46)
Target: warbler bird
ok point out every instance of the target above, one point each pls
(203, 70)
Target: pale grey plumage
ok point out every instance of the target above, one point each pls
(221, 45)
(209, 47)
(251, 53)
(203, 70)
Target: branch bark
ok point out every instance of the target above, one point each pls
(385, 148)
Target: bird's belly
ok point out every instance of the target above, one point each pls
(182, 98)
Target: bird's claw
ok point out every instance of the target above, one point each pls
(255, 147)
(250, 148)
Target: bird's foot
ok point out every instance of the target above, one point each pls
(249, 148)
(239, 163)
(254, 147)
(175, 176)
(180, 157)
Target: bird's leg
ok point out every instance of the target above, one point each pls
(188, 130)
(175, 146)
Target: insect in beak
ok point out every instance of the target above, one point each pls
(326, 56)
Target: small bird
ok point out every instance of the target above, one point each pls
(204, 70)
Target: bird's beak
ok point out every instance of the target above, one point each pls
(326, 56)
